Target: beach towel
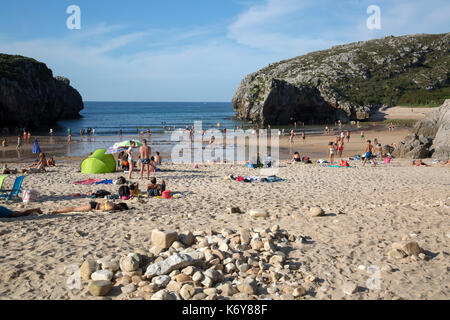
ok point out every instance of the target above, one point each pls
(88, 181)
(257, 179)
(104, 182)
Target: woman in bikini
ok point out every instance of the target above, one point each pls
(93, 206)
(331, 151)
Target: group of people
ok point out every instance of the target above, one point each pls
(147, 162)
(336, 147)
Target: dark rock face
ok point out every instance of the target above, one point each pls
(31, 97)
(431, 137)
(346, 82)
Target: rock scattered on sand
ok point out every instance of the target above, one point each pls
(163, 239)
(258, 213)
(100, 288)
(349, 288)
(88, 267)
(316, 212)
(102, 275)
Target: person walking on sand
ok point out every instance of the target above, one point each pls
(130, 158)
(348, 136)
(304, 137)
(145, 152)
(211, 141)
(362, 135)
(340, 147)
(331, 151)
(291, 137)
(19, 143)
(369, 152)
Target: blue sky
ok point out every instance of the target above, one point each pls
(197, 50)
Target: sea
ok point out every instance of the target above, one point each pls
(119, 121)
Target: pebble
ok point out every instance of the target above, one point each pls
(187, 238)
(161, 281)
(258, 213)
(162, 295)
(112, 266)
(128, 288)
(298, 292)
(349, 288)
(129, 264)
(187, 291)
(248, 286)
(316, 212)
(102, 275)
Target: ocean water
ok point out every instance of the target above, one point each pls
(109, 117)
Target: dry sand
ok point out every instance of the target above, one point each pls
(382, 205)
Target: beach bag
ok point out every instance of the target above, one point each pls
(101, 194)
(250, 165)
(29, 196)
(387, 160)
(124, 191)
(306, 160)
(166, 195)
(344, 163)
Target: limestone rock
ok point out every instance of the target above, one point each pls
(163, 239)
(174, 262)
(88, 267)
(258, 213)
(100, 288)
(316, 212)
(102, 275)
(187, 291)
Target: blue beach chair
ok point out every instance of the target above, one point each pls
(14, 192)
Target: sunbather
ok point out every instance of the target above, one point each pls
(419, 163)
(41, 164)
(154, 189)
(6, 213)
(94, 207)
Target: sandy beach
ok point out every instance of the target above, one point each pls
(380, 206)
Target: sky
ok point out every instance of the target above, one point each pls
(196, 50)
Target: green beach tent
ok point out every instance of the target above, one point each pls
(99, 162)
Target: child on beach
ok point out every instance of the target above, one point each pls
(296, 158)
(340, 147)
(331, 150)
(158, 159)
(362, 135)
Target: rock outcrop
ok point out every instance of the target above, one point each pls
(31, 97)
(430, 137)
(346, 82)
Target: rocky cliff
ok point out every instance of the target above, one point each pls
(347, 82)
(430, 137)
(31, 97)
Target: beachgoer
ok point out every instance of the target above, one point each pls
(369, 152)
(145, 152)
(158, 159)
(304, 137)
(41, 164)
(154, 189)
(340, 147)
(348, 136)
(362, 135)
(19, 143)
(94, 206)
(331, 150)
(419, 163)
(211, 141)
(296, 158)
(51, 162)
(51, 131)
(291, 137)
(7, 213)
(130, 158)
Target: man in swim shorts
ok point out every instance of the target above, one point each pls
(369, 152)
(6, 213)
(145, 152)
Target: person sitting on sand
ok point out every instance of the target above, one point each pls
(93, 206)
(41, 164)
(154, 189)
(419, 163)
(369, 154)
(6, 213)
(5, 170)
(296, 158)
(51, 162)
